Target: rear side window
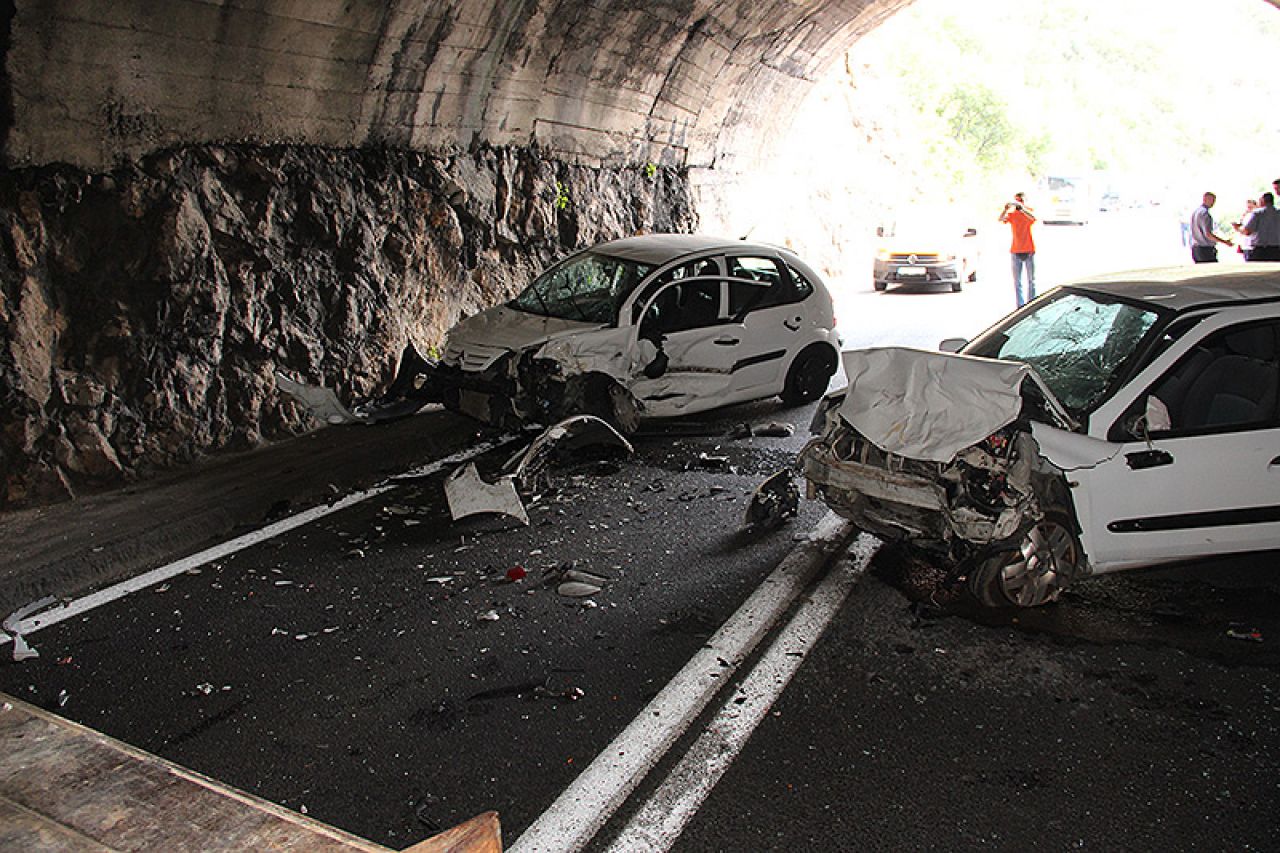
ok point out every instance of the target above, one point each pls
(756, 283)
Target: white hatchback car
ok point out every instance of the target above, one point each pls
(654, 326)
(1126, 421)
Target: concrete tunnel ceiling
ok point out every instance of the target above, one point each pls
(683, 83)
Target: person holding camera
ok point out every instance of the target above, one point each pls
(1204, 249)
(1022, 252)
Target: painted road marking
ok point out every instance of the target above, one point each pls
(659, 822)
(584, 807)
(112, 593)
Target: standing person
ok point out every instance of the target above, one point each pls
(1022, 252)
(1245, 244)
(1263, 226)
(1204, 249)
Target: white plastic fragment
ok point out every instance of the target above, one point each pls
(468, 494)
(12, 625)
(577, 589)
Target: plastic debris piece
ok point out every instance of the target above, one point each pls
(775, 429)
(489, 616)
(22, 650)
(1241, 632)
(443, 579)
(468, 494)
(584, 577)
(322, 402)
(577, 589)
(707, 462)
(773, 502)
(517, 573)
(12, 625)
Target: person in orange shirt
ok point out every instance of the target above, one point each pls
(1023, 250)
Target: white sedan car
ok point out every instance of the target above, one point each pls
(654, 326)
(1121, 422)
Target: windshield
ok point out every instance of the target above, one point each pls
(1080, 344)
(586, 287)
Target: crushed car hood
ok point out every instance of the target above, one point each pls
(502, 328)
(931, 405)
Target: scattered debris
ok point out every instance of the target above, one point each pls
(774, 429)
(516, 573)
(470, 494)
(577, 589)
(489, 616)
(773, 502)
(574, 583)
(12, 624)
(707, 462)
(411, 389)
(1242, 632)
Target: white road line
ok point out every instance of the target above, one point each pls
(579, 812)
(659, 822)
(217, 552)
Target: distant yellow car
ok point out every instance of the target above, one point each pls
(926, 254)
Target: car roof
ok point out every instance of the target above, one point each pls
(656, 249)
(1189, 287)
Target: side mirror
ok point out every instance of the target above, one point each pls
(952, 345)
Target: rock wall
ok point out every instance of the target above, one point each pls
(143, 311)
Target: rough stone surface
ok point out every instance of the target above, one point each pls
(145, 310)
(683, 82)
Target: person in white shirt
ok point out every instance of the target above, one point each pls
(1263, 225)
(1204, 242)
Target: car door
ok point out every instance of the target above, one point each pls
(1206, 480)
(685, 322)
(767, 319)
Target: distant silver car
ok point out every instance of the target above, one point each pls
(1116, 423)
(646, 327)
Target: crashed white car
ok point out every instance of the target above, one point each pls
(1122, 422)
(646, 327)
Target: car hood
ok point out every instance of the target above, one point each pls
(931, 405)
(502, 328)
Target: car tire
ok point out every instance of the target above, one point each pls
(880, 285)
(956, 286)
(1033, 572)
(809, 375)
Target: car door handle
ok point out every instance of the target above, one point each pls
(727, 342)
(1148, 459)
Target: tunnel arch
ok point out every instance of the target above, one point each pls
(679, 83)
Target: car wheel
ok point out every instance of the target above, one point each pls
(1046, 559)
(955, 286)
(881, 285)
(809, 375)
